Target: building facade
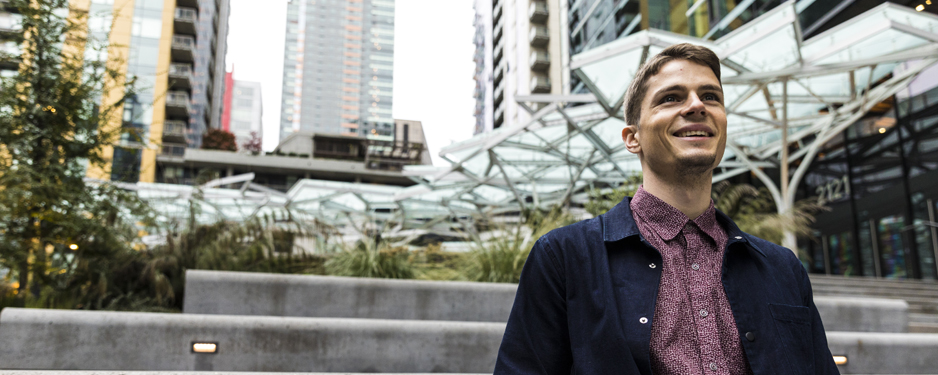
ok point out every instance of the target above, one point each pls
(528, 56)
(331, 157)
(338, 67)
(158, 43)
(245, 111)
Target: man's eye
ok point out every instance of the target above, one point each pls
(710, 97)
(669, 98)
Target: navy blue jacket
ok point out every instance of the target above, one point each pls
(586, 287)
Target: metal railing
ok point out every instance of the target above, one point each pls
(174, 128)
(172, 149)
(177, 98)
(187, 14)
(183, 42)
(180, 70)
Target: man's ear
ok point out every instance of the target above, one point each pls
(630, 137)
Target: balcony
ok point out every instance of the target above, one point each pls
(539, 36)
(11, 24)
(180, 76)
(10, 55)
(497, 34)
(174, 149)
(538, 12)
(185, 21)
(499, 74)
(540, 84)
(177, 105)
(189, 4)
(174, 131)
(499, 52)
(183, 48)
(540, 60)
(497, 13)
(498, 95)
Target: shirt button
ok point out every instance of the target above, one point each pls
(739, 237)
(750, 336)
(695, 266)
(703, 313)
(652, 265)
(713, 366)
(643, 320)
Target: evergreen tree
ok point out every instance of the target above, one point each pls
(57, 116)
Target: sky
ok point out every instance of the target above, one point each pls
(433, 64)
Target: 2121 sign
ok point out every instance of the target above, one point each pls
(833, 190)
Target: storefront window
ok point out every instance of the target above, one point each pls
(840, 254)
(891, 250)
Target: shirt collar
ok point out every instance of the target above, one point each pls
(619, 224)
(666, 220)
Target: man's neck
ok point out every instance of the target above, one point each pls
(690, 194)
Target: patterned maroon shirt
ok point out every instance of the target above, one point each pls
(693, 331)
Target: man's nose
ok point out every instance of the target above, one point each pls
(694, 106)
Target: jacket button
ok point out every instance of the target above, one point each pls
(739, 237)
(750, 336)
(643, 320)
(652, 265)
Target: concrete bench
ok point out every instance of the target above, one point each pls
(243, 293)
(885, 353)
(92, 340)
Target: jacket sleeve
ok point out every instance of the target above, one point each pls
(823, 360)
(537, 339)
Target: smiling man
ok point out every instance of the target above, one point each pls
(664, 283)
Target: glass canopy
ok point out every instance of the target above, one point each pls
(774, 82)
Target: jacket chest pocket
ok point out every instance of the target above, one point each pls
(793, 324)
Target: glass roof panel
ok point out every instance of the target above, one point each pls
(611, 76)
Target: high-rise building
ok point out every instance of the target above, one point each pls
(208, 85)
(338, 67)
(10, 25)
(244, 111)
(174, 49)
(528, 56)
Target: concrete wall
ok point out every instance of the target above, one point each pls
(243, 293)
(92, 340)
(854, 314)
(886, 353)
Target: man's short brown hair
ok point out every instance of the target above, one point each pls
(684, 51)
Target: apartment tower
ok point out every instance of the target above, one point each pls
(338, 67)
(175, 49)
(528, 56)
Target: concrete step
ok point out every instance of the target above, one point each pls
(97, 340)
(885, 353)
(122, 341)
(244, 293)
(923, 318)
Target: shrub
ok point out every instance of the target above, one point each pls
(367, 259)
(501, 259)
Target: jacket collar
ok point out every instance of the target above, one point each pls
(619, 224)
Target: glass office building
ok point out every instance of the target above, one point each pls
(880, 180)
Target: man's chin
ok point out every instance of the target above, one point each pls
(696, 164)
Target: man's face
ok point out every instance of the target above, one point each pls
(682, 128)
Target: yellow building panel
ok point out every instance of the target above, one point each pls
(118, 55)
(160, 88)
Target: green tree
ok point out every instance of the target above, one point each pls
(56, 119)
